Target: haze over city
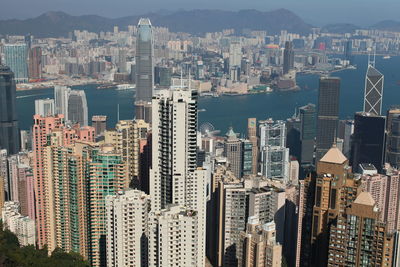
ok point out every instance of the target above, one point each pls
(316, 12)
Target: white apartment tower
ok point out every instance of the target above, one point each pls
(177, 186)
(127, 229)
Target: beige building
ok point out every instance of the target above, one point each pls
(258, 246)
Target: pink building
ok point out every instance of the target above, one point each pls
(41, 128)
(385, 191)
(26, 191)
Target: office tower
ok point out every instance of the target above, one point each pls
(348, 51)
(247, 157)
(99, 122)
(288, 57)
(127, 229)
(231, 221)
(45, 107)
(347, 133)
(26, 140)
(162, 76)
(393, 140)
(77, 107)
(293, 141)
(35, 63)
(15, 57)
(258, 245)
(143, 111)
(359, 238)
(327, 115)
(235, 54)
(5, 189)
(335, 189)
(61, 94)
(252, 136)
(42, 127)
(272, 133)
(144, 61)
(233, 152)
(274, 154)
(275, 163)
(9, 131)
(294, 171)
(307, 134)
(23, 227)
(368, 141)
(176, 179)
(108, 176)
(373, 92)
(385, 189)
(122, 54)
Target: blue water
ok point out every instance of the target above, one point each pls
(227, 111)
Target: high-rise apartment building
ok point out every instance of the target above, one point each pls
(144, 61)
(258, 245)
(359, 238)
(9, 131)
(175, 179)
(16, 58)
(373, 92)
(327, 115)
(77, 107)
(368, 140)
(128, 229)
(288, 57)
(45, 107)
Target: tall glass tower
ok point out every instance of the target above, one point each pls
(328, 114)
(16, 57)
(373, 91)
(9, 132)
(144, 61)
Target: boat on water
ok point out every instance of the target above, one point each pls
(387, 57)
(125, 87)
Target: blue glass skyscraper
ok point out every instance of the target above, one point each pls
(16, 57)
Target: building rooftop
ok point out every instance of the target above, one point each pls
(334, 155)
(365, 198)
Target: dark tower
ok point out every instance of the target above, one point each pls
(328, 114)
(288, 57)
(9, 132)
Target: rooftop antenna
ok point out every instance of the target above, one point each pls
(190, 79)
(181, 76)
(117, 112)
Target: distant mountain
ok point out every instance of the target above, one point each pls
(57, 24)
(387, 25)
(340, 28)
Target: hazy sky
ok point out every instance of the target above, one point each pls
(317, 12)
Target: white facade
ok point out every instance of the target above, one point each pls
(235, 54)
(173, 238)
(275, 163)
(61, 94)
(45, 107)
(175, 179)
(23, 227)
(127, 229)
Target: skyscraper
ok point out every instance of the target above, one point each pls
(288, 57)
(35, 63)
(252, 136)
(128, 229)
(99, 122)
(328, 114)
(307, 133)
(348, 51)
(9, 132)
(144, 61)
(233, 152)
(177, 185)
(61, 94)
(393, 141)
(235, 54)
(16, 57)
(373, 92)
(368, 140)
(45, 107)
(77, 107)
